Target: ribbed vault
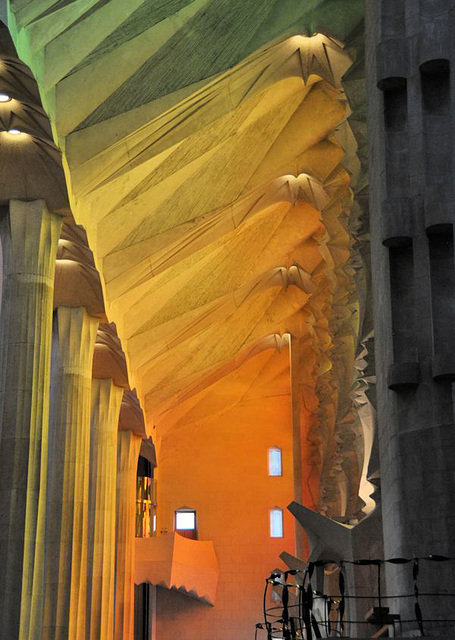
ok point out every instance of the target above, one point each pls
(210, 160)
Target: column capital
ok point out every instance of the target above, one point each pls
(29, 234)
(131, 414)
(77, 281)
(109, 360)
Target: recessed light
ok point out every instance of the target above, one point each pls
(14, 132)
(4, 97)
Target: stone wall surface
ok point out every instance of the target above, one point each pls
(410, 55)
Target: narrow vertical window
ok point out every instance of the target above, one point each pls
(276, 522)
(275, 467)
(145, 499)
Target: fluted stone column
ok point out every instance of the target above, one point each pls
(128, 453)
(106, 400)
(29, 240)
(66, 580)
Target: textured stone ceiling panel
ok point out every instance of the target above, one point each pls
(209, 157)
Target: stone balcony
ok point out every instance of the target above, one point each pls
(174, 562)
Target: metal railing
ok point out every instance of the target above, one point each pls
(306, 612)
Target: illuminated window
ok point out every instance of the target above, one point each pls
(145, 500)
(185, 522)
(275, 462)
(276, 522)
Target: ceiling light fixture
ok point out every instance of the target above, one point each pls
(14, 132)
(4, 97)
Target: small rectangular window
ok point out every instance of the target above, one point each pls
(276, 523)
(275, 468)
(185, 520)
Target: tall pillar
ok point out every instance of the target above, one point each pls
(29, 240)
(106, 400)
(66, 580)
(411, 107)
(78, 301)
(128, 453)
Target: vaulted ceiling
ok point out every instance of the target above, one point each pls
(212, 151)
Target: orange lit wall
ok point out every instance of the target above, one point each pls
(232, 424)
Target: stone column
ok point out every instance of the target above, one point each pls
(411, 108)
(128, 452)
(78, 301)
(66, 580)
(29, 240)
(106, 400)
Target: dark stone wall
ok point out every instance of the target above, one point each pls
(411, 110)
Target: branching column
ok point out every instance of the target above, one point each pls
(128, 452)
(29, 241)
(106, 400)
(66, 583)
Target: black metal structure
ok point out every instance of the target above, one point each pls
(306, 613)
